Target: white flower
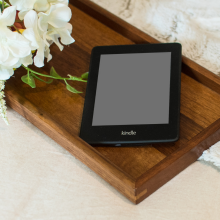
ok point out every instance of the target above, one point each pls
(38, 5)
(54, 22)
(50, 26)
(64, 33)
(13, 46)
(2, 85)
(46, 21)
(57, 16)
(2, 102)
(34, 35)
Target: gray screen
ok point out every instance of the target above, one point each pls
(133, 89)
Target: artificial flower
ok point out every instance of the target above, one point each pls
(33, 34)
(13, 46)
(38, 5)
(57, 16)
(3, 107)
(54, 24)
(50, 26)
(39, 23)
(63, 33)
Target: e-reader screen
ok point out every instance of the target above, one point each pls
(133, 89)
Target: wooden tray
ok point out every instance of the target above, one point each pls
(136, 172)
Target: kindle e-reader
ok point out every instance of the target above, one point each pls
(133, 95)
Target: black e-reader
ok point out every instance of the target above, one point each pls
(133, 95)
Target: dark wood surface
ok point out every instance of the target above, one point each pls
(134, 171)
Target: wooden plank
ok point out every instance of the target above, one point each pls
(132, 160)
(188, 130)
(199, 102)
(201, 74)
(178, 161)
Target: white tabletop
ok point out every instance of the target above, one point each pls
(41, 180)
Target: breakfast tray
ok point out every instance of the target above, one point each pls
(136, 172)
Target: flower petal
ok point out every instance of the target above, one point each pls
(22, 14)
(43, 23)
(17, 65)
(5, 73)
(39, 58)
(47, 54)
(30, 19)
(30, 35)
(66, 2)
(8, 16)
(23, 4)
(60, 16)
(27, 60)
(18, 45)
(41, 5)
(57, 16)
(4, 53)
(55, 39)
(65, 34)
(11, 61)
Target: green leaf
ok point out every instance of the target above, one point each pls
(85, 75)
(54, 73)
(5, 5)
(70, 88)
(48, 82)
(76, 78)
(29, 80)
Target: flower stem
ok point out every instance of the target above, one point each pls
(48, 76)
(31, 74)
(40, 74)
(16, 29)
(3, 5)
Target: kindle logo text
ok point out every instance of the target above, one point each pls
(128, 133)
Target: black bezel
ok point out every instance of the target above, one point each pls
(144, 133)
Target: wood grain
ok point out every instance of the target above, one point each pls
(177, 161)
(136, 172)
(132, 160)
